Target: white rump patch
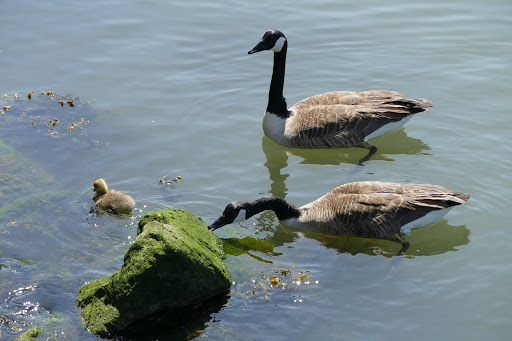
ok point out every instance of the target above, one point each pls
(388, 128)
(278, 45)
(427, 219)
(240, 217)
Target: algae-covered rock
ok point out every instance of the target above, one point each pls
(29, 335)
(175, 261)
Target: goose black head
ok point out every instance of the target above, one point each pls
(273, 40)
(233, 213)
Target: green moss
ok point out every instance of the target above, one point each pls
(175, 261)
(18, 175)
(31, 204)
(28, 261)
(30, 334)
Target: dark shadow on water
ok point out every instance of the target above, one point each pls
(184, 323)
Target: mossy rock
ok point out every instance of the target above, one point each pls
(29, 335)
(174, 262)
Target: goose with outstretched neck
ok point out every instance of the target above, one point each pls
(371, 209)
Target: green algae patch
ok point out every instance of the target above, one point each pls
(29, 335)
(19, 176)
(34, 203)
(175, 261)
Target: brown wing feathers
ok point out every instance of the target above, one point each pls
(344, 118)
(376, 209)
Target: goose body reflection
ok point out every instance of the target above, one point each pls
(369, 209)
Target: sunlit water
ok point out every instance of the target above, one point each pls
(173, 92)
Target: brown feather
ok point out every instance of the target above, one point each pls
(375, 209)
(346, 118)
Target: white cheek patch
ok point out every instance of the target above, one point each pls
(278, 45)
(240, 217)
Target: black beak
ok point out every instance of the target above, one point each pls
(219, 223)
(258, 48)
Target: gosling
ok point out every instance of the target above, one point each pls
(111, 200)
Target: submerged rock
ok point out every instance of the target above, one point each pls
(29, 335)
(174, 262)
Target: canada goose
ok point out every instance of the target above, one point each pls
(111, 200)
(369, 209)
(333, 119)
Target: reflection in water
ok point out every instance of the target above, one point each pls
(183, 323)
(435, 239)
(431, 240)
(396, 143)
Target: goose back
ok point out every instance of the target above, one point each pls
(342, 118)
(374, 209)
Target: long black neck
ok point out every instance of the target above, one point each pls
(276, 101)
(281, 208)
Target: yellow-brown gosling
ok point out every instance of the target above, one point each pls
(111, 200)
(371, 209)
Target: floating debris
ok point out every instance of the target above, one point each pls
(166, 180)
(275, 281)
(40, 110)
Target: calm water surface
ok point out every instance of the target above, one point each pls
(173, 92)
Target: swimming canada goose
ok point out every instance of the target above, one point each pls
(333, 119)
(369, 209)
(111, 200)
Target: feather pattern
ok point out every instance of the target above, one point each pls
(345, 118)
(373, 208)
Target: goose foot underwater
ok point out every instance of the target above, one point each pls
(331, 120)
(370, 209)
(372, 150)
